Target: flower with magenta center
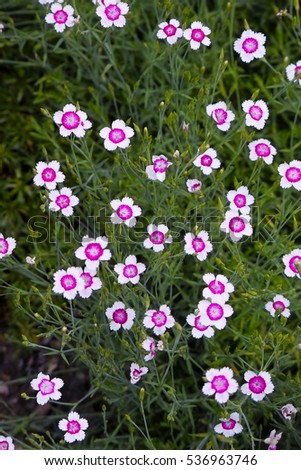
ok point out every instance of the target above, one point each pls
(117, 136)
(111, 13)
(197, 34)
(160, 320)
(293, 72)
(62, 200)
(262, 149)
(157, 237)
(221, 115)
(292, 263)
(60, 16)
(257, 113)
(7, 245)
(91, 281)
(129, 271)
(236, 225)
(291, 175)
(93, 251)
(240, 200)
(72, 121)
(220, 383)
(214, 313)
(6, 443)
(258, 385)
(120, 317)
(207, 161)
(279, 306)
(48, 389)
(288, 411)
(68, 282)
(229, 426)
(136, 372)
(218, 287)
(152, 347)
(193, 185)
(170, 31)
(75, 427)
(198, 329)
(157, 171)
(250, 46)
(198, 245)
(125, 211)
(48, 174)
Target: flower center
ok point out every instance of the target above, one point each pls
(198, 245)
(130, 271)
(4, 445)
(220, 384)
(120, 316)
(215, 312)
(124, 211)
(160, 165)
(62, 201)
(88, 279)
(262, 150)
(136, 373)
(60, 16)
(157, 237)
(73, 427)
(257, 384)
(198, 325)
(159, 318)
(228, 423)
(68, 282)
(46, 387)
(220, 116)
(195, 186)
(256, 113)
(93, 251)
(236, 224)
(278, 305)
(240, 200)
(48, 175)
(3, 246)
(112, 12)
(170, 30)
(197, 35)
(70, 120)
(250, 45)
(206, 160)
(293, 174)
(294, 263)
(117, 135)
(217, 287)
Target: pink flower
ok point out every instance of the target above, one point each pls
(193, 185)
(118, 136)
(288, 411)
(291, 175)
(250, 46)
(229, 427)
(218, 288)
(157, 237)
(152, 347)
(47, 389)
(262, 148)
(157, 171)
(75, 427)
(6, 443)
(91, 282)
(214, 313)
(111, 13)
(273, 440)
(130, 271)
(71, 121)
(257, 113)
(293, 72)
(199, 330)
(7, 245)
(160, 320)
(258, 385)
(170, 31)
(62, 200)
(207, 161)
(221, 115)
(220, 383)
(93, 251)
(198, 245)
(137, 372)
(197, 34)
(125, 211)
(48, 174)
(120, 317)
(240, 200)
(60, 16)
(69, 282)
(279, 306)
(292, 263)
(236, 225)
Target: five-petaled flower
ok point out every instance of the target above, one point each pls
(91, 281)
(72, 120)
(157, 237)
(240, 200)
(157, 171)
(93, 251)
(279, 306)
(207, 161)
(7, 245)
(193, 185)
(218, 287)
(197, 34)
(214, 313)
(257, 113)
(111, 13)
(236, 225)
(170, 31)
(258, 385)
(48, 389)
(125, 211)
(292, 263)
(250, 46)
(221, 115)
(6, 443)
(220, 383)
(160, 320)
(273, 439)
(198, 245)
(68, 282)
(262, 149)
(229, 426)
(48, 174)
(129, 271)
(293, 72)
(120, 317)
(62, 200)
(60, 16)
(136, 372)
(116, 136)
(198, 329)
(291, 175)
(75, 427)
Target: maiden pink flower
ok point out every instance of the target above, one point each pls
(6, 443)
(160, 320)
(258, 385)
(130, 271)
(75, 427)
(193, 185)
(111, 13)
(273, 440)
(62, 200)
(240, 200)
(291, 175)
(214, 313)
(170, 31)
(221, 115)
(125, 211)
(71, 121)
(30, 260)
(198, 245)
(279, 306)
(91, 281)
(48, 389)
(157, 171)
(68, 282)
(292, 263)
(197, 34)
(137, 372)
(117, 136)
(236, 225)
(250, 46)
(157, 237)
(218, 288)
(60, 16)
(220, 383)
(120, 317)
(262, 148)
(229, 426)
(93, 251)
(7, 245)
(207, 161)
(288, 411)
(48, 174)
(199, 330)
(257, 113)
(152, 347)
(293, 72)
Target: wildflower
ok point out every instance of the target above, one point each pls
(91, 282)
(160, 320)
(48, 174)
(291, 174)
(199, 330)
(250, 46)
(207, 161)
(118, 136)
(170, 31)
(258, 385)
(292, 263)
(293, 72)
(288, 411)
(119, 316)
(221, 115)
(93, 251)
(68, 282)
(71, 121)
(236, 225)
(111, 12)
(279, 306)
(229, 427)
(152, 347)
(47, 389)
(30, 260)
(7, 245)
(125, 211)
(220, 383)
(60, 16)
(257, 113)
(218, 288)
(157, 171)
(273, 440)
(63, 200)
(262, 148)
(130, 271)
(193, 185)
(6, 443)
(137, 372)
(75, 427)
(240, 200)
(197, 34)
(214, 313)
(157, 237)
(198, 245)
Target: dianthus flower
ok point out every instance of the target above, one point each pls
(75, 427)
(152, 347)
(292, 263)
(279, 306)
(137, 372)
(218, 288)
(91, 281)
(120, 317)
(48, 389)
(160, 320)
(125, 211)
(236, 225)
(117, 136)
(157, 237)
(111, 13)
(207, 161)
(240, 200)
(157, 171)
(6, 443)
(198, 245)
(250, 46)
(262, 149)
(197, 34)
(288, 411)
(229, 426)
(198, 329)
(273, 439)
(71, 121)
(62, 200)
(7, 245)
(68, 282)
(220, 383)
(291, 175)
(214, 313)
(48, 174)
(60, 16)
(258, 385)
(93, 251)
(193, 185)
(257, 113)
(129, 271)
(221, 115)
(170, 31)
(293, 72)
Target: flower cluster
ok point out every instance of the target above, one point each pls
(237, 221)
(197, 34)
